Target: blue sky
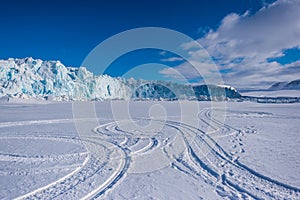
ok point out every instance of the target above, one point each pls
(69, 30)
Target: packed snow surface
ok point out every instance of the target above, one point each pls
(189, 154)
(273, 93)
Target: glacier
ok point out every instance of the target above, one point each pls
(34, 78)
(30, 78)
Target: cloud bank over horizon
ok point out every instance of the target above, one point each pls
(251, 50)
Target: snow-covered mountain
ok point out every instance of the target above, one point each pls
(35, 78)
(293, 85)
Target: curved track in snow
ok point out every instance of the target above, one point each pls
(89, 175)
(230, 178)
(203, 157)
(185, 148)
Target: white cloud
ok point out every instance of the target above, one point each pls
(252, 39)
(163, 53)
(172, 59)
(189, 71)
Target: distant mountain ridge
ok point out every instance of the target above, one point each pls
(292, 85)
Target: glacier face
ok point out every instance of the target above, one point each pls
(215, 92)
(30, 78)
(34, 78)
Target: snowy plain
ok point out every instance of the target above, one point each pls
(273, 93)
(166, 150)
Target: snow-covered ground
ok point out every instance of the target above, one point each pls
(275, 93)
(166, 150)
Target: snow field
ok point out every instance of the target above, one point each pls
(42, 155)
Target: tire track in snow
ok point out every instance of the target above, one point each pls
(228, 174)
(205, 159)
(63, 187)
